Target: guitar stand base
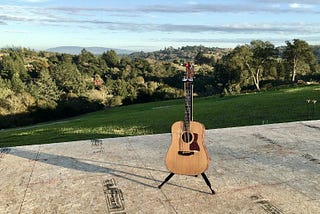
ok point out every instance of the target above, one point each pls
(204, 176)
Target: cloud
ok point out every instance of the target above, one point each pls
(308, 6)
(65, 15)
(276, 40)
(267, 6)
(84, 18)
(279, 28)
(298, 6)
(295, 5)
(265, 28)
(15, 31)
(123, 11)
(48, 17)
(34, 1)
(14, 18)
(312, 2)
(194, 7)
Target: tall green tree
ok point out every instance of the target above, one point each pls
(7, 67)
(228, 73)
(299, 58)
(250, 62)
(5, 92)
(111, 57)
(87, 63)
(46, 91)
(13, 70)
(68, 78)
(201, 59)
(264, 55)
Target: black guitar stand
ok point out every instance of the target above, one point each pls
(203, 175)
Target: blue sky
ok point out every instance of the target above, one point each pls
(153, 25)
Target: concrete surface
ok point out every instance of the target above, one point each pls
(255, 169)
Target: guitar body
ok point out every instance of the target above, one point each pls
(187, 154)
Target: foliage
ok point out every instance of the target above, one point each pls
(45, 91)
(316, 52)
(183, 54)
(299, 58)
(247, 65)
(40, 86)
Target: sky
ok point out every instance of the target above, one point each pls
(149, 25)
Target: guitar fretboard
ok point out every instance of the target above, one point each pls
(188, 85)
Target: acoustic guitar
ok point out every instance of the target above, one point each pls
(187, 154)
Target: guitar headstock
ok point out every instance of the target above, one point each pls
(189, 72)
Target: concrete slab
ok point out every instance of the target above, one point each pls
(255, 169)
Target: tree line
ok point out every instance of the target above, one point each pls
(40, 86)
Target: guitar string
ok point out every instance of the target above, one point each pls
(188, 107)
(186, 136)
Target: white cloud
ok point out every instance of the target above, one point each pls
(62, 17)
(298, 6)
(192, 2)
(34, 1)
(15, 31)
(295, 5)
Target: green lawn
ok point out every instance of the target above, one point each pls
(214, 112)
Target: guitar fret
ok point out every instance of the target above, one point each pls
(188, 105)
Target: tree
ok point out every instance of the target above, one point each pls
(17, 84)
(264, 54)
(201, 59)
(250, 62)
(68, 78)
(12, 69)
(5, 88)
(5, 92)
(87, 63)
(46, 91)
(227, 74)
(6, 67)
(298, 57)
(111, 58)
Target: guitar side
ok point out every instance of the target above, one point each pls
(195, 160)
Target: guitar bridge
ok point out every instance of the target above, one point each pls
(185, 153)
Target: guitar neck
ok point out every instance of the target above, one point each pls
(188, 116)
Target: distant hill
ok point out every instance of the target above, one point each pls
(183, 54)
(94, 50)
(189, 53)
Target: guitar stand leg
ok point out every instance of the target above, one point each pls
(166, 180)
(203, 175)
(207, 182)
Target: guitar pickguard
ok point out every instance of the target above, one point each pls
(194, 145)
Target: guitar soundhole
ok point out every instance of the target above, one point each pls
(187, 137)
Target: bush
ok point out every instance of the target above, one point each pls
(75, 106)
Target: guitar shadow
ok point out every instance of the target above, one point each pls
(81, 165)
(120, 164)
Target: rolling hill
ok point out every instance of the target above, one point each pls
(77, 50)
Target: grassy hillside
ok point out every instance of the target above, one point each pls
(214, 112)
